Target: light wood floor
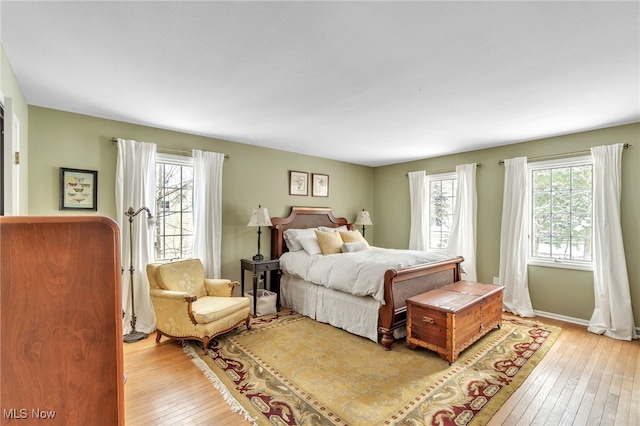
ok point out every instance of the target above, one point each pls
(584, 379)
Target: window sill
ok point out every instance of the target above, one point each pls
(561, 265)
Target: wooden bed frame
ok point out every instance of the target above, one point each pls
(399, 285)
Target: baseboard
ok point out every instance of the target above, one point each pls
(564, 318)
(571, 320)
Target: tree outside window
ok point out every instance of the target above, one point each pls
(442, 200)
(561, 226)
(174, 210)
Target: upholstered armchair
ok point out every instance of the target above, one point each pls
(189, 306)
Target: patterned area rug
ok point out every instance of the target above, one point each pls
(291, 370)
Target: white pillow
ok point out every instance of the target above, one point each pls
(353, 247)
(290, 240)
(310, 245)
(292, 235)
(305, 233)
(342, 228)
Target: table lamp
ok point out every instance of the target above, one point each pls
(363, 219)
(259, 218)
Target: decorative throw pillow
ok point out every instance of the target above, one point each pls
(354, 247)
(354, 237)
(310, 245)
(330, 242)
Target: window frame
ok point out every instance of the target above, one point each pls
(545, 165)
(428, 180)
(178, 160)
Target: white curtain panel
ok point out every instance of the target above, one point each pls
(613, 314)
(513, 239)
(419, 212)
(463, 237)
(136, 188)
(207, 210)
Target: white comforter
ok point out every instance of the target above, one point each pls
(360, 273)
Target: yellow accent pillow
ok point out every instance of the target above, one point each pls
(330, 242)
(354, 237)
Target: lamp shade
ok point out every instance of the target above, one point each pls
(259, 217)
(363, 218)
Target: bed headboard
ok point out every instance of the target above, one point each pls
(301, 217)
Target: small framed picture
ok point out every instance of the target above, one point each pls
(298, 183)
(78, 189)
(320, 185)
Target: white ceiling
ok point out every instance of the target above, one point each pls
(370, 83)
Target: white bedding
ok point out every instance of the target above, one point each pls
(357, 315)
(360, 273)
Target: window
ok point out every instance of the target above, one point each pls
(442, 200)
(174, 207)
(561, 212)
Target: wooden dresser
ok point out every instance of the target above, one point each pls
(61, 321)
(450, 319)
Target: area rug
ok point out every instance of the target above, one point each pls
(291, 370)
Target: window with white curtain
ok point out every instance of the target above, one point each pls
(561, 213)
(441, 189)
(174, 206)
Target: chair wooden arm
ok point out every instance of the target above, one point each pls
(177, 297)
(189, 301)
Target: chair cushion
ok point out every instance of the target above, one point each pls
(182, 275)
(211, 308)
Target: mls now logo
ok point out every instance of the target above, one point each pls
(23, 413)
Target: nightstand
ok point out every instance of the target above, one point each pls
(260, 268)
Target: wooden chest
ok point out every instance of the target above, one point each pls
(450, 319)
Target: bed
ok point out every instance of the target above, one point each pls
(381, 318)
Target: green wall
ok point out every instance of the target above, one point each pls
(255, 175)
(559, 291)
(251, 176)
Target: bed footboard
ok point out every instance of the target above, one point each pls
(401, 284)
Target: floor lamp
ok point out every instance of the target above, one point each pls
(134, 335)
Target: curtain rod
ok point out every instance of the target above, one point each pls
(564, 154)
(436, 172)
(168, 150)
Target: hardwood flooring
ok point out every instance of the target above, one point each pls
(164, 387)
(584, 379)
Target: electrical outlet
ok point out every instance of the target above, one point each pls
(496, 280)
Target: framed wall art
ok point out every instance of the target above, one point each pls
(320, 185)
(298, 183)
(78, 189)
